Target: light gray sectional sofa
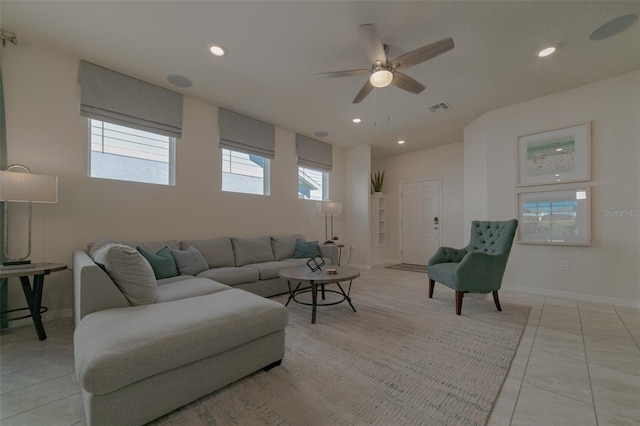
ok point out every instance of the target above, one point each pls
(139, 357)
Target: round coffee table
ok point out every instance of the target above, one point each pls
(302, 274)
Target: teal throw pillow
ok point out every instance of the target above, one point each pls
(306, 249)
(162, 263)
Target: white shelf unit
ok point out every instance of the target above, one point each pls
(378, 220)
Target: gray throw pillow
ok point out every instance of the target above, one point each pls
(284, 246)
(130, 271)
(252, 250)
(190, 261)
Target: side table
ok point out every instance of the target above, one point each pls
(33, 293)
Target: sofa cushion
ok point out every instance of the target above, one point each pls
(306, 249)
(207, 325)
(190, 261)
(252, 250)
(191, 287)
(130, 271)
(218, 252)
(162, 262)
(284, 246)
(231, 275)
(268, 270)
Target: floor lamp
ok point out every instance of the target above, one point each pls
(24, 187)
(330, 208)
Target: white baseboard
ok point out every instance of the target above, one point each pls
(47, 316)
(578, 296)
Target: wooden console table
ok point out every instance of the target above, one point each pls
(33, 294)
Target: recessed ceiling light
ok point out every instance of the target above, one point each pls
(546, 51)
(357, 120)
(558, 149)
(400, 142)
(217, 50)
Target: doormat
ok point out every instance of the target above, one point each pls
(409, 267)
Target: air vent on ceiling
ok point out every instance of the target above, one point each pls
(439, 107)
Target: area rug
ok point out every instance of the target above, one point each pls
(401, 359)
(409, 267)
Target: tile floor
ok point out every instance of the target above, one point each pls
(577, 364)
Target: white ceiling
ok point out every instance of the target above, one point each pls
(275, 48)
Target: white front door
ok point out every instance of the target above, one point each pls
(420, 221)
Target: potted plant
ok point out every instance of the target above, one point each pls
(377, 179)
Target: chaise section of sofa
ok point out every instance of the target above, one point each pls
(138, 363)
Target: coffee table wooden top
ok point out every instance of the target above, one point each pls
(303, 273)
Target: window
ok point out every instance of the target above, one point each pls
(123, 153)
(245, 173)
(312, 184)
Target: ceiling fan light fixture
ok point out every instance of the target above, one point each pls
(381, 78)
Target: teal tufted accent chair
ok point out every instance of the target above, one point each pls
(477, 268)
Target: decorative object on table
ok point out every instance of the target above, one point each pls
(331, 271)
(28, 188)
(315, 263)
(377, 180)
(558, 215)
(555, 156)
(330, 208)
(478, 267)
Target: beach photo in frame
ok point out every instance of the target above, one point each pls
(555, 156)
(558, 215)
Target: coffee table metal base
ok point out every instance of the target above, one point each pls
(314, 296)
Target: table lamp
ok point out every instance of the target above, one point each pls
(24, 187)
(330, 208)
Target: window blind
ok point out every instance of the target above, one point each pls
(109, 96)
(245, 134)
(314, 154)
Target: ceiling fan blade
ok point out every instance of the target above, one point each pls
(372, 44)
(347, 73)
(366, 89)
(423, 53)
(407, 83)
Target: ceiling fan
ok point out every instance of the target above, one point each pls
(384, 72)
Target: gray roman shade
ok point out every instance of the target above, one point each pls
(245, 134)
(314, 154)
(109, 96)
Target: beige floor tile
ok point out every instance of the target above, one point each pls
(565, 303)
(519, 363)
(66, 411)
(536, 302)
(570, 345)
(559, 374)
(537, 407)
(505, 404)
(607, 418)
(34, 396)
(622, 356)
(567, 321)
(616, 391)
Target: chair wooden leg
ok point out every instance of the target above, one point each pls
(431, 285)
(495, 299)
(459, 295)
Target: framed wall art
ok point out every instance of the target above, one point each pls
(558, 215)
(555, 156)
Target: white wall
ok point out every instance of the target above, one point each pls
(608, 271)
(444, 163)
(357, 163)
(46, 133)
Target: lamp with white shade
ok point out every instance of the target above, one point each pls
(24, 187)
(330, 208)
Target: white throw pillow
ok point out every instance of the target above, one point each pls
(130, 271)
